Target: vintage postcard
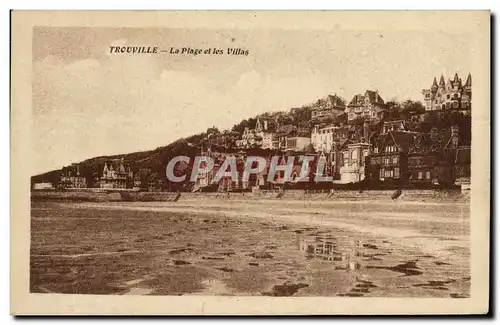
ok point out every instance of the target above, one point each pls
(250, 163)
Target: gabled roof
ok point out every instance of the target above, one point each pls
(374, 97)
(403, 140)
(336, 100)
(344, 142)
(434, 83)
(468, 83)
(441, 81)
(357, 100)
(117, 165)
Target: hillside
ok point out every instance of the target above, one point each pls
(156, 160)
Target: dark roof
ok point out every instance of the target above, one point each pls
(403, 140)
(357, 100)
(374, 97)
(345, 142)
(336, 100)
(117, 165)
(468, 83)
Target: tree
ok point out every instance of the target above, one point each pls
(146, 178)
(393, 109)
(340, 119)
(300, 114)
(240, 127)
(357, 121)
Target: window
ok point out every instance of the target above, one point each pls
(382, 173)
(396, 172)
(420, 176)
(395, 159)
(354, 154)
(428, 174)
(388, 173)
(386, 161)
(375, 150)
(448, 96)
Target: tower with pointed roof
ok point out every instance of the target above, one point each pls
(449, 95)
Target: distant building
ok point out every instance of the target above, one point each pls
(116, 174)
(369, 106)
(449, 95)
(432, 157)
(281, 135)
(43, 186)
(322, 139)
(71, 177)
(395, 125)
(389, 160)
(354, 156)
(264, 131)
(297, 142)
(330, 106)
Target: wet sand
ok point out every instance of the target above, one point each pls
(239, 247)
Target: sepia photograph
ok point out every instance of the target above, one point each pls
(336, 162)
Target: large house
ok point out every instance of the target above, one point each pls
(417, 158)
(432, 156)
(369, 106)
(330, 106)
(71, 177)
(389, 159)
(449, 95)
(322, 139)
(116, 174)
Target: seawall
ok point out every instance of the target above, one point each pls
(132, 196)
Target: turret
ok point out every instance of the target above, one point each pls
(468, 83)
(441, 82)
(434, 85)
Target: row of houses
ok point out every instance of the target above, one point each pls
(370, 106)
(394, 156)
(114, 174)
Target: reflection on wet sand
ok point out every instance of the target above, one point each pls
(364, 259)
(336, 249)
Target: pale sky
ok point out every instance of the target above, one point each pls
(87, 102)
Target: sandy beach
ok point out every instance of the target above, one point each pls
(252, 247)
